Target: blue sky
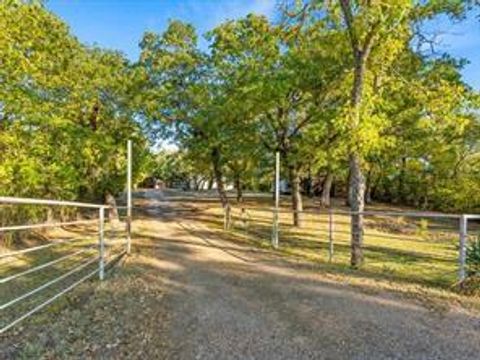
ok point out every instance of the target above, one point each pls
(119, 24)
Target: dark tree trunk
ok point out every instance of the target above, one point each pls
(368, 193)
(425, 196)
(297, 205)
(112, 202)
(375, 186)
(93, 119)
(401, 194)
(218, 174)
(368, 188)
(238, 187)
(210, 183)
(348, 200)
(309, 184)
(326, 190)
(357, 180)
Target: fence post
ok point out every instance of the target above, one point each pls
(129, 196)
(227, 217)
(277, 201)
(330, 235)
(101, 243)
(275, 229)
(462, 247)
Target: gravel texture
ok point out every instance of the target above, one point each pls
(231, 302)
(185, 293)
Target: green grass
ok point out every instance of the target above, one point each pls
(396, 248)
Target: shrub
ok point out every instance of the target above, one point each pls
(473, 258)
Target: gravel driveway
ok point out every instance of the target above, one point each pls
(231, 302)
(186, 293)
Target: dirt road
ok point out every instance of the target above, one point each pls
(229, 302)
(185, 293)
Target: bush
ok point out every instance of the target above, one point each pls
(473, 259)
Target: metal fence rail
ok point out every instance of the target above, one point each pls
(435, 244)
(80, 251)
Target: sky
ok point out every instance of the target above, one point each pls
(119, 24)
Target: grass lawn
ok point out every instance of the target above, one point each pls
(402, 249)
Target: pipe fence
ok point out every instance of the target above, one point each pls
(410, 246)
(49, 259)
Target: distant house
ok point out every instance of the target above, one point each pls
(203, 185)
(285, 187)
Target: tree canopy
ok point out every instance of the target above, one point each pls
(65, 110)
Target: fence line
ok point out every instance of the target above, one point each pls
(47, 302)
(365, 213)
(43, 266)
(48, 284)
(44, 225)
(444, 225)
(41, 247)
(100, 234)
(27, 201)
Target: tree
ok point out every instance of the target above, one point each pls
(183, 94)
(65, 110)
(376, 33)
(271, 76)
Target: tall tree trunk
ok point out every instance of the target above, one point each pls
(195, 183)
(309, 183)
(326, 190)
(357, 185)
(297, 204)
(238, 187)
(357, 180)
(218, 174)
(112, 202)
(210, 183)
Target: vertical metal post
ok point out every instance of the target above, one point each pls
(277, 201)
(129, 196)
(227, 217)
(277, 180)
(101, 243)
(462, 256)
(330, 235)
(275, 229)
